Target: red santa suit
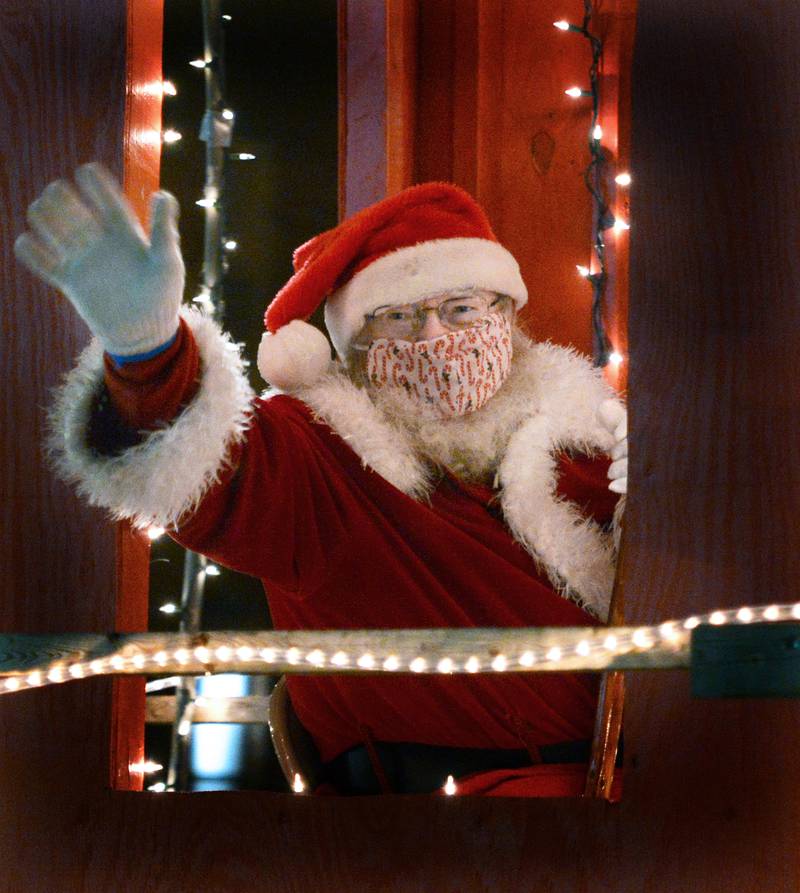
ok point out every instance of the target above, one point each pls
(323, 500)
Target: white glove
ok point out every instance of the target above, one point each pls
(91, 247)
(614, 418)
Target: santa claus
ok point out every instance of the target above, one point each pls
(442, 471)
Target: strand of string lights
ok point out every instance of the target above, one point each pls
(216, 130)
(33, 661)
(28, 661)
(603, 218)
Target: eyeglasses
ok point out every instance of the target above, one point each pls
(407, 320)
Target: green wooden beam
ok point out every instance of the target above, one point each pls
(759, 660)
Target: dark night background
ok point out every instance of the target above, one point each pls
(280, 80)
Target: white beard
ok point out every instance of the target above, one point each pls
(469, 446)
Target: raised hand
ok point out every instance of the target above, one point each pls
(614, 417)
(90, 245)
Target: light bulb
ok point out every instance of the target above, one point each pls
(242, 156)
(212, 570)
(227, 114)
(583, 271)
(298, 785)
(574, 92)
(668, 631)
(450, 786)
(146, 766)
(562, 25)
(231, 245)
(597, 133)
(168, 88)
(615, 358)
(171, 136)
(620, 226)
(198, 63)
(169, 608)
(623, 179)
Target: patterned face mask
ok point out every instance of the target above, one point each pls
(456, 373)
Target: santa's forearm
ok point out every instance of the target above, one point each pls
(147, 441)
(149, 394)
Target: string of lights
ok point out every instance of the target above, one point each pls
(603, 218)
(27, 661)
(216, 130)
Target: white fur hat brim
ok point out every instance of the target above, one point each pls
(419, 271)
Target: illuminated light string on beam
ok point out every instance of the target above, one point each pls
(435, 652)
(603, 217)
(216, 131)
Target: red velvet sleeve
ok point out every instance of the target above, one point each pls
(148, 394)
(584, 481)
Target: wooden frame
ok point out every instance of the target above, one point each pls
(711, 519)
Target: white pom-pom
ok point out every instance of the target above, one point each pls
(294, 357)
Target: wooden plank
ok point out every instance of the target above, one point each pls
(754, 661)
(401, 86)
(362, 122)
(545, 649)
(251, 709)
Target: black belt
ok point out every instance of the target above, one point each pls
(423, 768)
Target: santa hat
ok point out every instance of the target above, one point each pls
(420, 242)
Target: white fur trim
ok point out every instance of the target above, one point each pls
(295, 356)
(381, 446)
(168, 473)
(564, 393)
(418, 271)
(576, 554)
